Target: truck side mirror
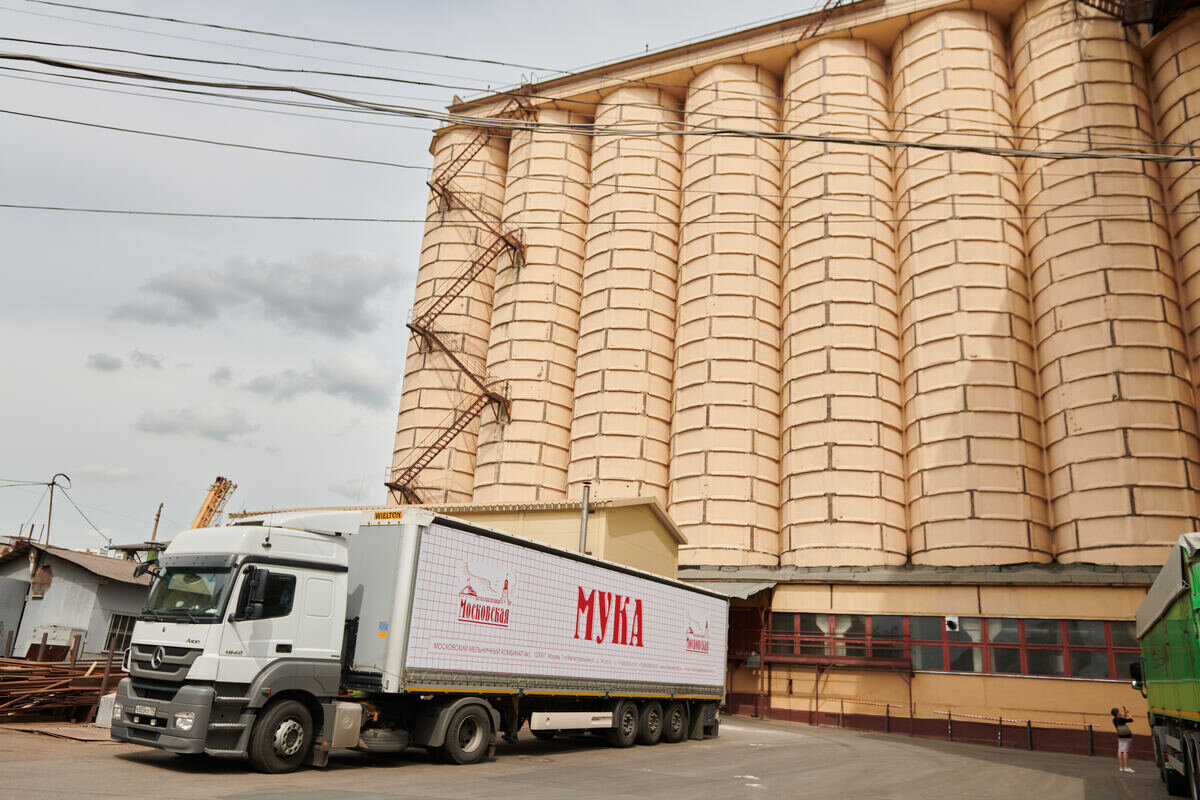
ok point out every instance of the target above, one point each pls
(253, 595)
(144, 567)
(1135, 672)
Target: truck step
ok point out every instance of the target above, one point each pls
(213, 752)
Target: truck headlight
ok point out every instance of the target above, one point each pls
(116, 711)
(184, 720)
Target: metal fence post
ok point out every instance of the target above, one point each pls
(1029, 734)
(842, 713)
(1091, 742)
(950, 726)
(887, 718)
(999, 731)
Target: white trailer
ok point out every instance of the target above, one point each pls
(286, 636)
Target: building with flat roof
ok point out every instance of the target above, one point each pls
(892, 307)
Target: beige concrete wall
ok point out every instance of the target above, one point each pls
(842, 472)
(1068, 602)
(632, 536)
(1119, 420)
(1056, 699)
(433, 386)
(620, 433)
(1078, 702)
(724, 471)
(973, 448)
(535, 316)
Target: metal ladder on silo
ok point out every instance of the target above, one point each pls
(403, 483)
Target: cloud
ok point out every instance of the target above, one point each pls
(209, 421)
(323, 294)
(104, 362)
(141, 359)
(103, 474)
(358, 376)
(221, 376)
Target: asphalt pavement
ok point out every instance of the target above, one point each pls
(750, 759)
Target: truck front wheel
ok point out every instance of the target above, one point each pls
(469, 736)
(282, 737)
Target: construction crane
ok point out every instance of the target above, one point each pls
(214, 501)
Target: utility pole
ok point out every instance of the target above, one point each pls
(50, 511)
(157, 514)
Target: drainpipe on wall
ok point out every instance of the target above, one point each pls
(583, 517)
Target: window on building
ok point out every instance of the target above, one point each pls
(120, 629)
(1096, 649)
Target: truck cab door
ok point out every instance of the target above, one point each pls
(250, 644)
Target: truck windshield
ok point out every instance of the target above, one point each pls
(189, 592)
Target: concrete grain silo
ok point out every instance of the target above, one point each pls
(1117, 402)
(434, 388)
(842, 479)
(1173, 64)
(724, 471)
(906, 349)
(621, 431)
(535, 316)
(972, 433)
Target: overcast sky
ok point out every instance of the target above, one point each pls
(144, 356)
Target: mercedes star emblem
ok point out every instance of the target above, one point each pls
(157, 658)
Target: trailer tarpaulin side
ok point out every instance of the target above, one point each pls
(1170, 583)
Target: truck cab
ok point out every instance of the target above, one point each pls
(239, 647)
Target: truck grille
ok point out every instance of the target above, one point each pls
(161, 662)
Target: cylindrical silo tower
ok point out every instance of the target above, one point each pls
(535, 316)
(976, 488)
(1119, 422)
(620, 432)
(1175, 92)
(434, 388)
(724, 489)
(842, 466)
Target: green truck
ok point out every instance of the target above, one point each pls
(1168, 629)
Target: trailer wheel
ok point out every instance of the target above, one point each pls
(469, 736)
(625, 725)
(282, 737)
(650, 723)
(675, 723)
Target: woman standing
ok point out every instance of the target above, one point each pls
(1124, 737)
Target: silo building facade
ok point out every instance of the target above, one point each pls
(893, 309)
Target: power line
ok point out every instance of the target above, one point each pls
(784, 161)
(152, 96)
(617, 130)
(198, 140)
(219, 43)
(206, 215)
(841, 217)
(221, 63)
(311, 39)
(95, 529)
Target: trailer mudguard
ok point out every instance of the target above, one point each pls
(429, 729)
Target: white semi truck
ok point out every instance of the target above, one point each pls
(285, 636)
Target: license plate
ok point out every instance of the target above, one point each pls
(147, 711)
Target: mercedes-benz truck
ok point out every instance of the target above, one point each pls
(285, 636)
